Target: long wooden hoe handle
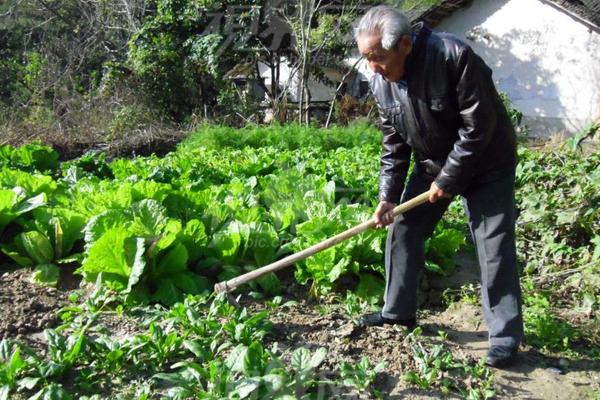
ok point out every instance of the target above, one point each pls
(232, 284)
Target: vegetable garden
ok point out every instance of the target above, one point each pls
(150, 236)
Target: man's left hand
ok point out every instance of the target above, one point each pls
(435, 193)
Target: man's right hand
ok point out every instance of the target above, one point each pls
(383, 214)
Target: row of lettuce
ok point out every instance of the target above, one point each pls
(157, 228)
(228, 201)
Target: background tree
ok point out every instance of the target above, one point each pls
(54, 53)
(322, 39)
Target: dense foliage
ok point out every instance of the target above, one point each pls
(228, 201)
(100, 70)
(559, 244)
(157, 228)
(152, 229)
(128, 63)
(200, 348)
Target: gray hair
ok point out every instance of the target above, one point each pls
(386, 21)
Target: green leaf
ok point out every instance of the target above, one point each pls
(173, 262)
(73, 258)
(110, 255)
(75, 349)
(301, 359)
(28, 382)
(250, 215)
(150, 190)
(58, 237)
(93, 198)
(317, 357)
(369, 286)
(195, 239)
(433, 267)
(566, 217)
(8, 198)
(253, 360)
(338, 269)
(32, 184)
(46, 274)
(235, 360)
(412, 378)
(269, 283)
(62, 225)
(444, 244)
(31, 204)
(275, 381)
(245, 388)
(139, 265)
(191, 283)
(15, 364)
(228, 272)
(172, 378)
(227, 242)
(596, 241)
(149, 218)
(167, 292)
(55, 391)
(36, 156)
(16, 253)
(197, 348)
(101, 223)
(283, 216)
(139, 294)
(37, 246)
(263, 242)
(170, 235)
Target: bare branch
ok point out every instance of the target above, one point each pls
(352, 68)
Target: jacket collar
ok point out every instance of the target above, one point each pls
(419, 34)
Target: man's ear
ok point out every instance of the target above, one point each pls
(405, 44)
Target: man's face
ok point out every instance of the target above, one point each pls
(389, 63)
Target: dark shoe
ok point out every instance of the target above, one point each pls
(376, 319)
(501, 357)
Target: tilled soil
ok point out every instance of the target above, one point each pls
(28, 308)
(534, 376)
(304, 325)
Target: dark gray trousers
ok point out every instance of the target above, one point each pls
(491, 212)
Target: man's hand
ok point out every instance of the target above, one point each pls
(383, 214)
(435, 193)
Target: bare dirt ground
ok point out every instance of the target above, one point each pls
(27, 309)
(535, 376)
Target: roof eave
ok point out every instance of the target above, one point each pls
(589, 24)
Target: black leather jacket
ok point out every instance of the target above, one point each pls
(447, 112)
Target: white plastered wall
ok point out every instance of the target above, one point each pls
(547, 62)
(318, 90)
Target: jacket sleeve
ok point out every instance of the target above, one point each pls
(476, 101)
(395, 160)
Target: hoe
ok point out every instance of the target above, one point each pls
(234, 283)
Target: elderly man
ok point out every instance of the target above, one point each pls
(437, 102)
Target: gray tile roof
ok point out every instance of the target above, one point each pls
(433, 15)
(586, 10)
